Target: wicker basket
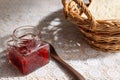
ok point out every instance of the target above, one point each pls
(100, 34)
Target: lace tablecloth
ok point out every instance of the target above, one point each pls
(47, 16)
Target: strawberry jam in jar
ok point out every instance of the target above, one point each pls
(26, 51)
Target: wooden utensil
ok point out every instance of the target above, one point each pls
(55, 56)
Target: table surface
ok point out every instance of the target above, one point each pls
(47, 16)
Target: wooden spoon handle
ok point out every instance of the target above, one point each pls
(77, 75)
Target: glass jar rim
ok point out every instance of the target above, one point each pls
(36, 32)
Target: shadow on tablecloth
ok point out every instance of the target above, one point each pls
(66, 38)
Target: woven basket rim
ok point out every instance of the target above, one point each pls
(94, 25)
(98, 33)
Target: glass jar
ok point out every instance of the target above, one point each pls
(26, 51)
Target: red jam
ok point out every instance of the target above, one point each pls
(29, 56)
